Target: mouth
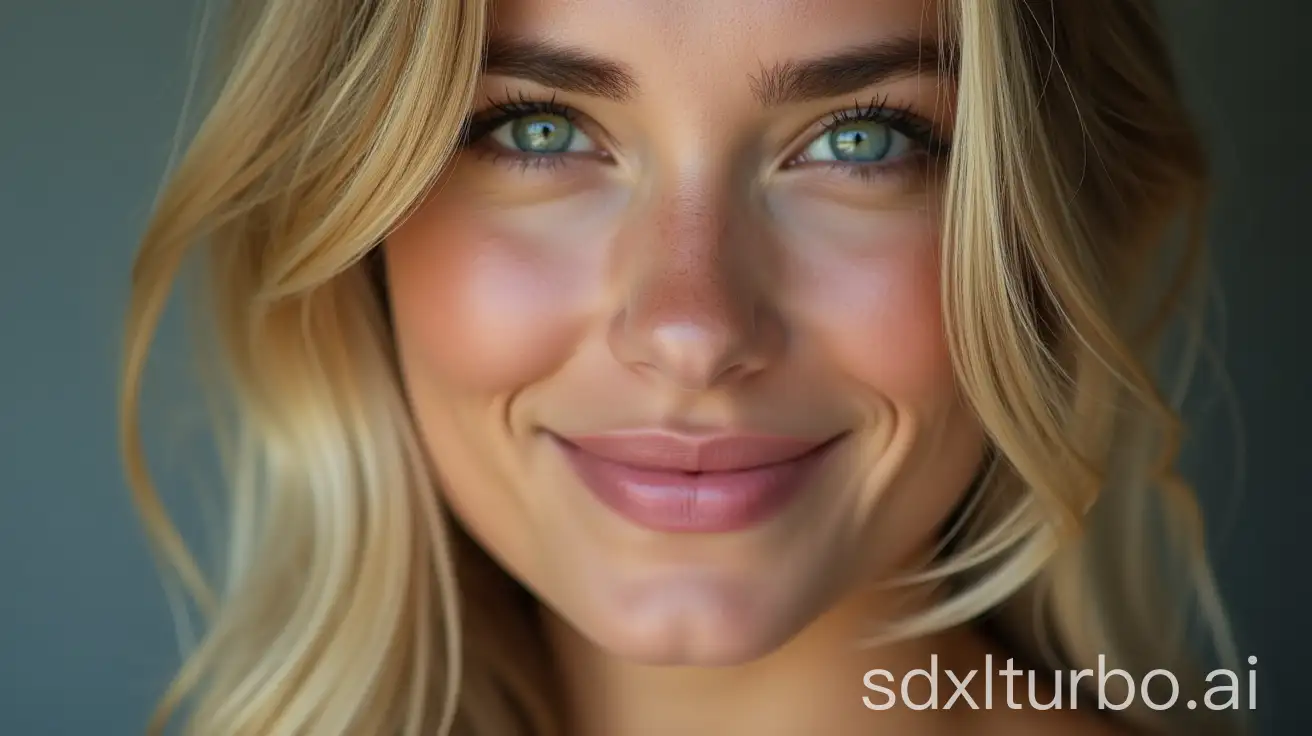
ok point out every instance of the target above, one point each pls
(670, 482)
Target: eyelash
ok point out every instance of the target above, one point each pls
(919, 131)
(499, 113)
(929, 146)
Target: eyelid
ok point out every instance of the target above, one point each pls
(902, 120)
(498, 112)
(920, 130)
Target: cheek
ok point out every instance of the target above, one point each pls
(489, 309)
(874, 301)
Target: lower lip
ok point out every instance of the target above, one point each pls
(673, 501)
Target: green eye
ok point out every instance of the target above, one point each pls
(858, 141)
(542, 133)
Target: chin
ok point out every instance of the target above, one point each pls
(698, 623)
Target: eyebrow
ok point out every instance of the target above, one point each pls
(558, 67)
(788, 82)
(850, 70)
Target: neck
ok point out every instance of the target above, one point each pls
(813, 684)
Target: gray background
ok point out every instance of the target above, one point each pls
(89, 99)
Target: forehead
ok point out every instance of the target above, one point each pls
(685, 40)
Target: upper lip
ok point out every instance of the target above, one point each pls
(671, 451)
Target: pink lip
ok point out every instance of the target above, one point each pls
(679, 483)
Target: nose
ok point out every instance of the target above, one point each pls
(696, 311)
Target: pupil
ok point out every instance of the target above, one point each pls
(860, 143)
(542, 135)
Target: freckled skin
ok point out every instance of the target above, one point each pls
(689, 280)
(686, 281)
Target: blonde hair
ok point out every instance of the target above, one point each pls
(350, 602)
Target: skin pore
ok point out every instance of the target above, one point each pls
(704, 217)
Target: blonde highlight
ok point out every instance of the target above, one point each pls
(352, 604)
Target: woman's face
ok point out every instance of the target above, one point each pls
(670, 324)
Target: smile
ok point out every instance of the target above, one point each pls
(708, 484)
